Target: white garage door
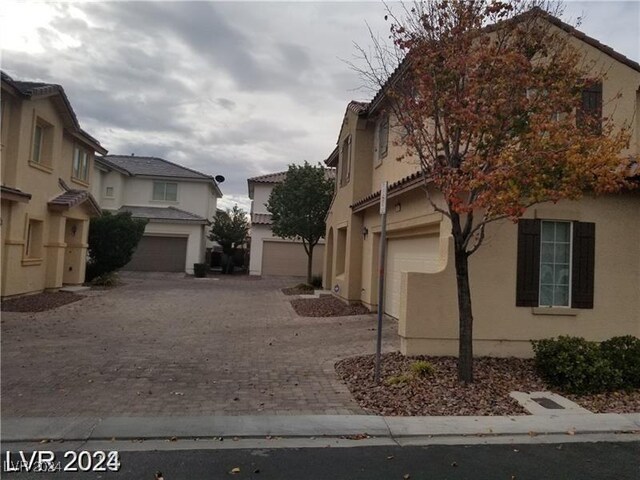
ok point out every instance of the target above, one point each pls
(409, 254)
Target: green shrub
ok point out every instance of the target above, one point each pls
(575, 365)
(200, 270)
(110, 279)
(304, 286)
(624, 355)
(422, 368)
(112, 240)
(316, 281)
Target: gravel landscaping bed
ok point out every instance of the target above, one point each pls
(298, 290)
(611, 402)
(39, 302)
(440, 393)
(326, 306)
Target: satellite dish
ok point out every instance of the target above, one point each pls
(219, 178)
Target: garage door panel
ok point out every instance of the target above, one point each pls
(159, 254)
(409, 254)
(290, 259)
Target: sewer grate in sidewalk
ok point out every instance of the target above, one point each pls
(547, 403)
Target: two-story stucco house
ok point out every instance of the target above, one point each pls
(271, 255)
(177, 202)
(47, 164)
(597, 240)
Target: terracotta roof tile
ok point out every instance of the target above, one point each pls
(277, 177)
(163, 214)
(72, 198)
(261, 219)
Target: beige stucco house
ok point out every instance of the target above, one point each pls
(596, 294)
(272, 255)
(47, 165)
(177, 202)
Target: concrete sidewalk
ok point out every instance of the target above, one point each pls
(84, 429)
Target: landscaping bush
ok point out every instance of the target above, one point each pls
(200, 270)
(110, 279)
(575, 365)
(624, 355)
(316, 281)
(422, 368)
(112, 240)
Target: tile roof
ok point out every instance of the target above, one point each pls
(277, 177)
(261, 219)
(163, 214)
(405, 183)
(14, 194)
(152, 166)
(72, 198)
(30, 89)
(376, 100)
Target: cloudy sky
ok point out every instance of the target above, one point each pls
(231, 88)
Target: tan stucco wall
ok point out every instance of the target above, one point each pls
(21, 275)
(428, 322)
(429, 317)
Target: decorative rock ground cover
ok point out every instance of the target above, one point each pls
(39, 302)
(403, 393)
(301, 289)
(326, 306)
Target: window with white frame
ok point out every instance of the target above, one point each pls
(108, 192)
(80, 164)
(555, 264)
(165, 191)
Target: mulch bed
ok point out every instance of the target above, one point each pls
(298, 290)
(326, 306)
(442, 394)
(39, 302)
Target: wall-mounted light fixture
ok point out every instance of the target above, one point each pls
(365, 232)
(74, 229)
(398, 206)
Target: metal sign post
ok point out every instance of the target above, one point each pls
(381, 262)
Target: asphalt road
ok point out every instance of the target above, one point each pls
(512, 462)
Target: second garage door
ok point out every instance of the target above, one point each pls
(284, 258)
(408, 254)
(159, 254)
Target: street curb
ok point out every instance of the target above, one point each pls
(37, 429)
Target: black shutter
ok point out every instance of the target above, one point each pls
(528, 270)
(582, 273)
(589, 115)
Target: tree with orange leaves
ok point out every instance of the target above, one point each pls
(488, 97)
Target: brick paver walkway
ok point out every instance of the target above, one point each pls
(168, 345)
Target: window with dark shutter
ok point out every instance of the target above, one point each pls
(583, 269)
(589, 115)
(528, 264)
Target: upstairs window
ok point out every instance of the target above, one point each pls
(165, 191)
(80, 164)
(381, 140)
(345, 161)
(589, 114)
(42, 143)
(108, 192)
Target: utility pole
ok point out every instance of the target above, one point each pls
(381, 262)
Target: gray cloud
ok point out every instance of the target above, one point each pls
(238, 89)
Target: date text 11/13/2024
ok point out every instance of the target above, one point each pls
(72, 461)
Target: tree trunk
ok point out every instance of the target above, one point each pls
(465, 345)
(310, 264)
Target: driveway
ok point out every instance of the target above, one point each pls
(166, 345)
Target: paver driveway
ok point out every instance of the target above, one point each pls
(169, 345)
